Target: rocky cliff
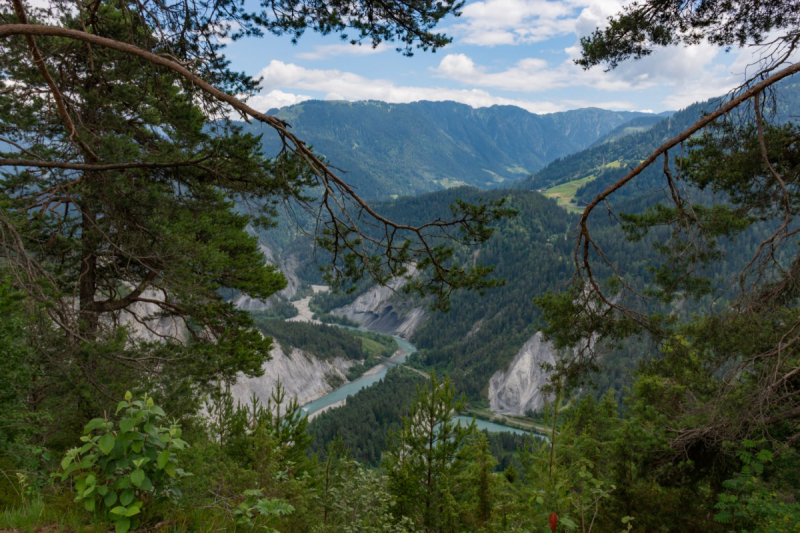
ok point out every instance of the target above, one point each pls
(304, 376)
(518, 389)
(380, 309)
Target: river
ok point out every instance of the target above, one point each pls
(338, 396)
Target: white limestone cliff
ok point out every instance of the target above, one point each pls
(517, 389)
(379, 309)
(303, 376)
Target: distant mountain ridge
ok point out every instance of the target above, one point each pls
(634, 140)
(388, 150)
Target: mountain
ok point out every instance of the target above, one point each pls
(633, 126)
(624, 147)
(482, 342)
(389, 150)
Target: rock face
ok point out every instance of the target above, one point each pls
(518, 389)
(379, 310)
(304, 377)
(147, 323)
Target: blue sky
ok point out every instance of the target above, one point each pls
(516, 52)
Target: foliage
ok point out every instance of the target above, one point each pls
(19, 367)
(241, 428)
(325, 342)
(425, 454)
(279, 309)
(329, 318)
(640, 28)
(364, 423)
(751, 504)
(119, 471)
(256, 509)
(355, 499)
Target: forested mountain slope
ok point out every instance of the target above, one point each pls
(630, 149)
(403, 149)
(531, 252)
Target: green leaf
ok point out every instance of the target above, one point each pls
(110, 498)
(146, 484)
(128, 395)
(122, 526)
(567, 522)
(169, 468)
(120, 510)
(126, 497)
(93, 424)
(65, 462)
(137, 476)
(132, 511)
(121, 406)
(163, 457)
(106, 443)
(126, 424)
(89, 504)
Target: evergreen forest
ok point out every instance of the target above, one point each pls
(498, 321)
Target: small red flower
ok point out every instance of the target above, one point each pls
(553, 522)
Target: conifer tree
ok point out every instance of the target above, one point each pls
(425, 456)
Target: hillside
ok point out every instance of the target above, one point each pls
(389, 150)
(626, 147)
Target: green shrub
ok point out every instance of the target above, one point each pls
(117, 472)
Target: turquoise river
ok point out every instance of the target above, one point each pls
(377, 373)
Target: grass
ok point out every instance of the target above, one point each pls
(60, 515)
(565, 193)
(41, 517)
(374, 348)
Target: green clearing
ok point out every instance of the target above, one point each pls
(565, 193)
(376, 349)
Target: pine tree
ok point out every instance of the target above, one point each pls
(424, 456)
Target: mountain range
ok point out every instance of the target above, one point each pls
(390, 150)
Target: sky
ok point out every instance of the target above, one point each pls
(504, 52)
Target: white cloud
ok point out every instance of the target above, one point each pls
(333, 50)
(275, 98)
(595, 15)
(495, 22)
(499, 22)
(339, 85)
(621, 105)
(690, 72)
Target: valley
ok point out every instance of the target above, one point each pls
(491, 346)
(399, 266)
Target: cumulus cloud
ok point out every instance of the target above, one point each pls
(333, 50)
(275, 99)
(340, 85)
(691, 73)
(509, 22)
